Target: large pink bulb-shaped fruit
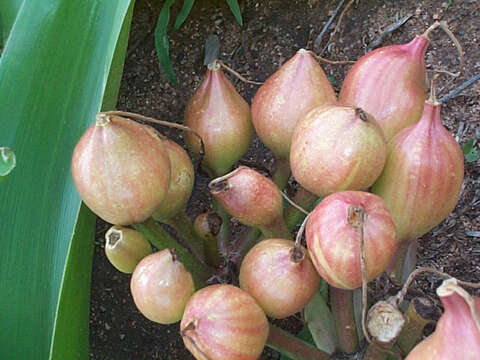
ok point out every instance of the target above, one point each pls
(337, 148)
(161, 287)
(224, 322)
(389, 83)
(280, 278)
(286, 97)
(121, 169)
(222, 118)
(423, 175)
(181, 182)
(333, 238)
(457, 334)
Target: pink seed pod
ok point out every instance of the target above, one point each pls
(423, 175)
(457, 334)
(224, 322)
(181, 182)
(282, 280)
(333, 238)
(253, 199)
(161, 287)
(286, 97)
(121, 169)
(335, 148)
(389, 83)
(222, 118)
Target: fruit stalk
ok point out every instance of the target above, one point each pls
(282, 172)
(341, 302)
(404, 262)
(293, 347)
(162, 240)
(182, 224)
(224, 233)
(420, 312)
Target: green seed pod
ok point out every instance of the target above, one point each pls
(125, 248)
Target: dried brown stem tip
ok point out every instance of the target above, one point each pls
(297, 254)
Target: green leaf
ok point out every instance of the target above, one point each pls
(320, 322)
(183, 14)
(70, 337)
(53, 74)
(161, 41)
(470, 151)
(73, 308)
(235, 8)
(8, 13)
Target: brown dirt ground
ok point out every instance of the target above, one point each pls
(273, 31)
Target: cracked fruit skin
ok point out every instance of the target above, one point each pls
(222, 118)
(335, 148)
(286, 97)
(389, 84)
(224, 322)
(423, 175)
(280, 284)
(161, 287)
(334, 243)
(121, 169)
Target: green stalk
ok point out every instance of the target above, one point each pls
(282, 172)
(182, 224)
(162, 240)
(341, 302)
(224, 233)
(293, 347)
(404, 262)
(304, 199)
(276, 229)
(420, 312)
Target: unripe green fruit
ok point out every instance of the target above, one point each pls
(125, 248)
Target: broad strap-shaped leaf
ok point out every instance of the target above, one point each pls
(71, 329)
(161, 41)
(320, 322)
(53, 74)
(182, 15)
(8, 13)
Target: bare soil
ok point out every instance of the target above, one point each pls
(273, 31)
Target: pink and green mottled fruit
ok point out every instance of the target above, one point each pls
(280, 279)
(224, 322)
(181, 182)
(222, 118)
(286, 97)
(333, 238)
(337, 148)
(457, 334)
(423, 175)
(121, 169)
(161, 287)
(389, 83)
